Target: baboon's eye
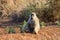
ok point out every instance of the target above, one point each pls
(32, 14)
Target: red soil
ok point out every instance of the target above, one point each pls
(47, 33)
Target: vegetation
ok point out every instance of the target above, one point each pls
(24, 27)
(47, 11)
(42, 24)
(58, 23)
(10, 30)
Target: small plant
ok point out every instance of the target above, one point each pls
(10, 30)
(24, 26)
(21, 26)
(58, 23)
(42, 24)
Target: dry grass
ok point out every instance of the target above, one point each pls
(9, 6)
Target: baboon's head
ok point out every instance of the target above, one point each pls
(33, 16)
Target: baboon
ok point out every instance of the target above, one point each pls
(36, 20)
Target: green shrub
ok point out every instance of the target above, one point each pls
(42, 24)
(10, 30)
(24, 27)
(32, 7)
(58, 23)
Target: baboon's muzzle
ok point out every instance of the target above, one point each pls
(32, 16)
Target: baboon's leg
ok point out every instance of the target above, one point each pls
(36, 30)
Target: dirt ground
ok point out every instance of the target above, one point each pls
(47, 33)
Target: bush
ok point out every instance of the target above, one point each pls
(58, 23)
(42, 24)
(10, 30)
(24, 27)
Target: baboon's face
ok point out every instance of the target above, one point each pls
(32, 19)
(33, 16)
